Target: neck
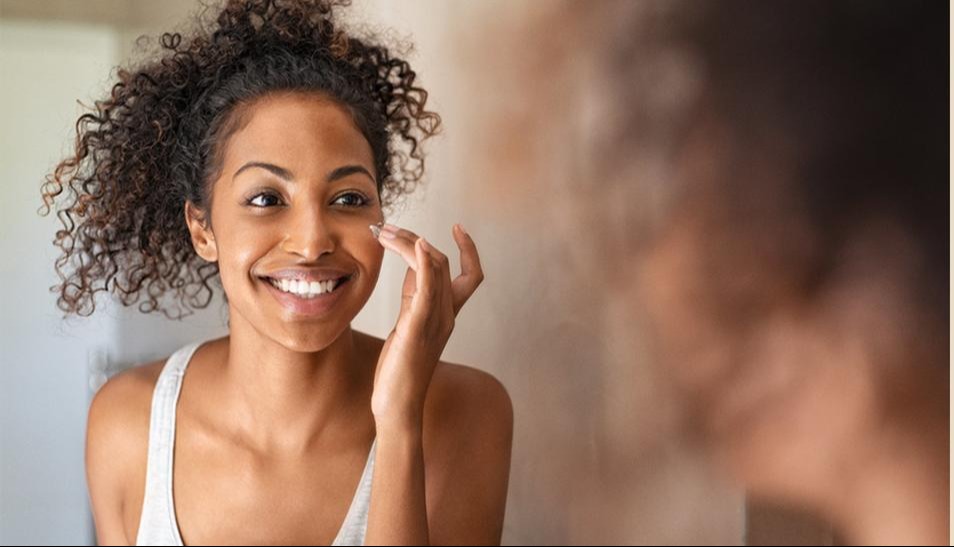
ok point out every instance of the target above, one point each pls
(286, 400)
(899, 493)
(901, 502)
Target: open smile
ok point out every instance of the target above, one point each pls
(306, 289)
(308, 297)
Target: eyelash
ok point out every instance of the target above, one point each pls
(251, 200)
(363, 200)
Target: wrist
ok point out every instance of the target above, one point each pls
(403, 423)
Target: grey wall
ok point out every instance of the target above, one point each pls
(48, 366)
(44, 391)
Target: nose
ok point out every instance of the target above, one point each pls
(308, 234)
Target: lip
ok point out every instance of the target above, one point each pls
(316, 306)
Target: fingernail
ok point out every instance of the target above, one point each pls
(390, 228)
(376, 230)
(425, 245)
(462, 230)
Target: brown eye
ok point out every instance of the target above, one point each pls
(351, 199)
(264, 200)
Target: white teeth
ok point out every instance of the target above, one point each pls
(304, 289)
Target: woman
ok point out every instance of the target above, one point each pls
(265, 150)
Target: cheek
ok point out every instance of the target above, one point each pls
(239, 245)
(689, 339)
(667, 284)
(369, 254)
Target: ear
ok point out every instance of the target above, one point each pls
(203, 240)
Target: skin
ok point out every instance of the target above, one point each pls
(275, 421)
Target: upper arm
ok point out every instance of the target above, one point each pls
(468, 437)
(116, 442)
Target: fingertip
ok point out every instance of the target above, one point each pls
(420, 250)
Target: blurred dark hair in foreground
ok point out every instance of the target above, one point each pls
(836, 110)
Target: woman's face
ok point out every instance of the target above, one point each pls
(290, 218)
(783, 382)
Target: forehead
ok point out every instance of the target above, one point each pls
(307, 133)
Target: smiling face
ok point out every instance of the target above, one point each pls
(290, 216)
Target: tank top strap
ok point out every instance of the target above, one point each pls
(157, 525)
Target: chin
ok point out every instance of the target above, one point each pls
(310, 339)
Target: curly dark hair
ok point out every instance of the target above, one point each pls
(156, 141)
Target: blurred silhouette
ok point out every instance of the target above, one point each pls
(797, 286)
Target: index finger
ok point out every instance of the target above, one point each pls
(472, 273)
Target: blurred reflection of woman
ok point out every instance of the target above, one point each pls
(763, 188)
(798, 286)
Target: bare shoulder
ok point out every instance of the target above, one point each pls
(468, 437)
(124, 401)
(117, 444)
(468, 411)
(117, 430)
(467, 391)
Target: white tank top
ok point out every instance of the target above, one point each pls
(158, 525)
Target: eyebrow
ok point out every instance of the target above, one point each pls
(279, 172)
(285, 174)
(348, 170)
